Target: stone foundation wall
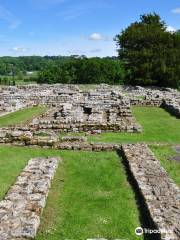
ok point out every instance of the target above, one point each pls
(21, 209)
(146, 103)
(172, 107)
(47, 139)
(125, 126)
(161, 195)
(86, 146)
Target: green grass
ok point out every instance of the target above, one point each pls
(163, 153)
(11, 164)
(158, 126)
(71, 134)
(90, 196)
(21, 82)
(21, 116)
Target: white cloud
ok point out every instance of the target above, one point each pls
(96, 37)
(19, 49)
(170, 29)
(176, 10)
(8, 17)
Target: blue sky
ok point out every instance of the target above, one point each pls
(66, 27)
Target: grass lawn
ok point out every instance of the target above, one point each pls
(158, 126)
(172, 167)
(90, 196)
(21, 116)
(11, 164)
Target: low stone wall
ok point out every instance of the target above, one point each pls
(124, 127)
(22, 206)
(172, 107)
(85, 146)
(51, 140)
(146, 103)
(25, 136)
(161, 195)
(97, 147)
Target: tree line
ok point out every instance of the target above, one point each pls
(62, 69)
(83, 70)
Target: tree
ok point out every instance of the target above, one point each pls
(151, 54)
(82, 70)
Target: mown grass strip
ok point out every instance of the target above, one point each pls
(21, 116)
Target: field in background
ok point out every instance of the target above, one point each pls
(16, 80)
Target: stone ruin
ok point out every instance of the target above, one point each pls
(70, 110)
(102, 109)
(152, 96)
(107, 108)
(98, 102)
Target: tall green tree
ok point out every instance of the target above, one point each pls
(151, 54)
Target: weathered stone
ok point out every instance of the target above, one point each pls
(21, 209)
(159, 191)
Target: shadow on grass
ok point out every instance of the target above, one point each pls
(144, 214)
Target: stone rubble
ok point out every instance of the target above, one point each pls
(49, 139)
(161, 194)
(24, 136)
(70, 109)
(104, 104)
(107, 108)
(21, 209)
(152, 96)
(102, 109)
